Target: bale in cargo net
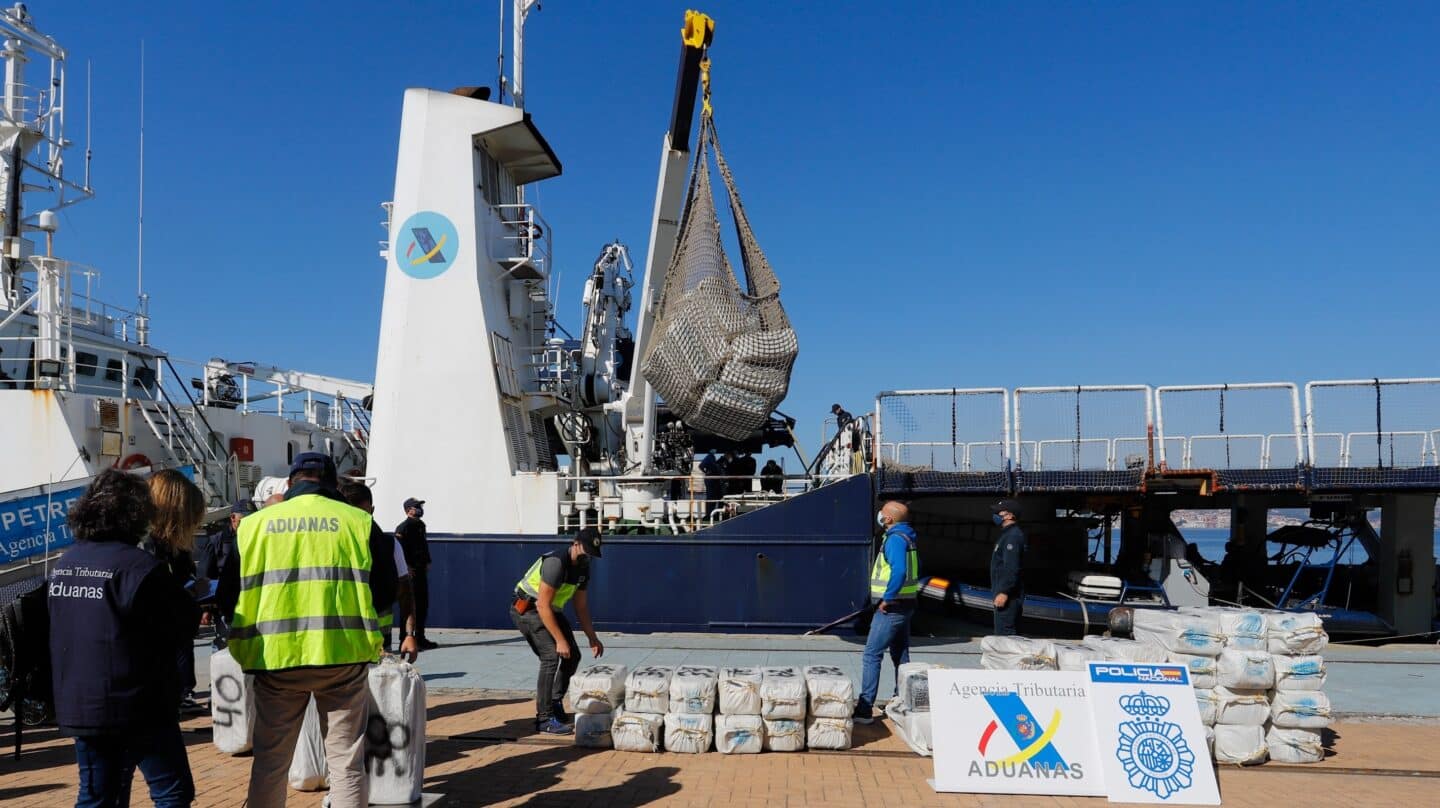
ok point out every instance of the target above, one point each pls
(720, 357)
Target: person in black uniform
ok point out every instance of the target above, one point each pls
(412, 538)
(1007, 560)
(772, 477)
(116, 617)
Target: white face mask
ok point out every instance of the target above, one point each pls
(880, 519)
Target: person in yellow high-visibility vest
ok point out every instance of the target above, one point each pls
(554, 580)
(309, 576)
(895, 587)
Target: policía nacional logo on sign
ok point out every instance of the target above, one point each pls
(425, 245)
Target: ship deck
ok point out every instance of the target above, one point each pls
(480, 752)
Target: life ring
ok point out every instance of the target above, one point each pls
(133, 461)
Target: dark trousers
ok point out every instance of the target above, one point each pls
(108, 762)
(185, 661)
(1007, 620)
(555, 673)
(420, 588)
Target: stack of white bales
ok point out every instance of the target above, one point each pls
(832, 708)
(739, 729)
(1299, 708)
(782, 705)
(596, 695)
(640, 724)
(910, 710)
(690, 721)
(1231, 685)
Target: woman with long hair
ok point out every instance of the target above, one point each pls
(116, 617)
(179, 510)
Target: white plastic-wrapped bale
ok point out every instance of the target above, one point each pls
(1245, 629)
(637, 732)
(1296, 633)
(308, 769)
(232, 704)
(688, 733)
(1116, 649)
(784, 735)
(1245, 670)
(1180, 632)
(782, 693)
(1299, 672)
(1001, 653)
(739, 734)
(1070, 656)
(1202, 669)
(1209, 706)
(692, 690)
(1243, 745)
(1289, 745)
(914, 684)
(647, 690)
(1300, 709)
(1241, 707)
(1210, 740)
(593, 730)
(829, 733)
(832, 693)
(913, 727)
(395, 733)
(598, 689)
(740, 691)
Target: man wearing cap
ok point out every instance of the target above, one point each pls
(411, 536)
(309, 578)
(894, 587)
(1006, 562)
(540, 596)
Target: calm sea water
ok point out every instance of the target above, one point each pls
(1211, 542)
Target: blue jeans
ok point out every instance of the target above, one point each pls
(107, 766)
(888, 629)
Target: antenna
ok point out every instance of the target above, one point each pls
(140, 223)
(500, 60)
(89, 113)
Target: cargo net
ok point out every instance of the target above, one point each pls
(1229, 427)
(1375, 434)
(939, 441)
(721, 357)
(1081, 438)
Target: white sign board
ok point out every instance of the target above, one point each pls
(1014, 732)
(1149, 734)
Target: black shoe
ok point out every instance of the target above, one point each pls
(189, 706)
(863, 716)
(558, 710)
(427, 645)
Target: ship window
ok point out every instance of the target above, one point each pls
(113, 371)
(496, 185)
(86, 363)
(144, 377)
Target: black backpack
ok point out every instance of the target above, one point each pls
(25, 681)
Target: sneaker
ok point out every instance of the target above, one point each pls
(189, 706)
(558, 710)
(863, 717)
(553, 726)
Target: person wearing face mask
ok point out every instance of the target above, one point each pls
(894, 585)
(1006, 561)
(412, 539)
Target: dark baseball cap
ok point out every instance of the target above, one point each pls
(413, 503)
(589, 538)
(242, 506)
(1011, 505)
(313, 461)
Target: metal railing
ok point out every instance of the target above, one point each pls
(1262, 442)
(1417, 416)
(1079, 440)
(644, 503)
(527, 236)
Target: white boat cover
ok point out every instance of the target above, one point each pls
(829, 733)
(784, 735)
(688, 733)
(637, 732)
(593, 730)
(1245, 670)
(647, 689)
(782, 693)
(832, 693)
(740, 691)
(692, 690)
(1093, 585)
(1300, 709)
(739, 734)
(1289, 745)
(1299, 672)
(598, 689)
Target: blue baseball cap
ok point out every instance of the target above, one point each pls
(414, 503)
(242, 506)
(314, 461)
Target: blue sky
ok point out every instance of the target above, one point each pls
(953, 194)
